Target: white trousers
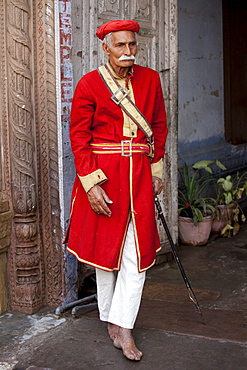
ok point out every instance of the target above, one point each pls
(119, 293)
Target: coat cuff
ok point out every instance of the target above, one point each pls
(94, 178)
(157, 169)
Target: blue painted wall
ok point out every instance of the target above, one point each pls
(201, 133)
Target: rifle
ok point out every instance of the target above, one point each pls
(177, 258)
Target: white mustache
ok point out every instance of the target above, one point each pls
(126, 57)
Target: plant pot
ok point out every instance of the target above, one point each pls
(224, 216)
(190, 234)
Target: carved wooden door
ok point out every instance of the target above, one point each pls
(29, 153)
(156, 49)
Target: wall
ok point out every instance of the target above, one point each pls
(200, 86)
(200, 78)
(67, 91)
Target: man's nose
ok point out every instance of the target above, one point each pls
(127, 50)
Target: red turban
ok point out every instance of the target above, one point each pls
(119, 25)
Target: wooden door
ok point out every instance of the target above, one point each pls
(235, 70)
(156, 49)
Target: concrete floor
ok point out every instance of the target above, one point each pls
(168, 330)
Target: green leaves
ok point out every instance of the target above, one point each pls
(230, 189)
(203, 165)
(226, 183)
(228, 198)
(220, 165)
(206, 163)
(191, 202)
(225, 190)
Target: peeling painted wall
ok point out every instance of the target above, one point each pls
(67, 91)
(201, 132)
(200, 79)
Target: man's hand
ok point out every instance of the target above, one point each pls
(158, 185)
(98, 200)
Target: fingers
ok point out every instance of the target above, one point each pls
(98, 200)
(158, 185)
(106, 198)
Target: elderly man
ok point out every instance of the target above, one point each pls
(118, 133)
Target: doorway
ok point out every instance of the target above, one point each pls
(157, 49)
(235, 70)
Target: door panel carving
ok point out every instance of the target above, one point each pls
(109, 7)
(46, 121)
(28, 114)
(142, 10)
(25, 271)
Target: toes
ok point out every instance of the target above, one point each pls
(131, 355)
(138, 355)
(123, 340)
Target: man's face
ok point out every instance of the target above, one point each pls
(122, 43)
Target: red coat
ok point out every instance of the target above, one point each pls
(97, 239)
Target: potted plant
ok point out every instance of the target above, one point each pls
(195, 212)
(229, 190)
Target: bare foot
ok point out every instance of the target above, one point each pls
(125, 341)
(112, 330)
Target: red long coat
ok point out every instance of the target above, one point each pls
(95, 239)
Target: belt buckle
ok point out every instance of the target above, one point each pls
(129, 143)
(114, 96)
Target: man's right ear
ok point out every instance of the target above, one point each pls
(105, 48)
